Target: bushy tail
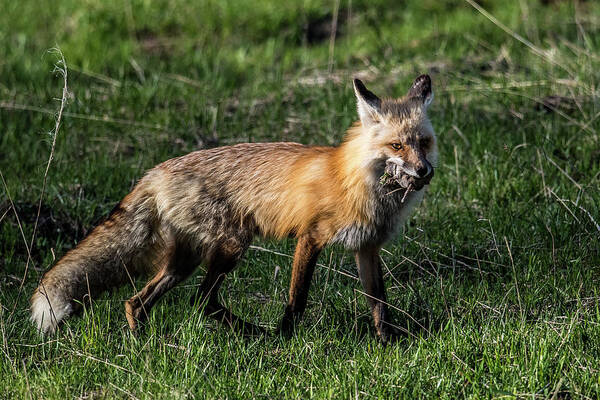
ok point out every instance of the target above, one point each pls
(104, 259)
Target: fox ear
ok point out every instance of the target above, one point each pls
(369, 105)
(421, 89)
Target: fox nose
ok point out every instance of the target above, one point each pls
(424, 170)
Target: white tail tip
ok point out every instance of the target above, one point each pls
(48, 310)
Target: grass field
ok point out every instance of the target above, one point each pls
(496, 277)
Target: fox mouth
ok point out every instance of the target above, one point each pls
(394, 175)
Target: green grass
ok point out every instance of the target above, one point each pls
(500, 266)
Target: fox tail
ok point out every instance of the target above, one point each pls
(108, 257)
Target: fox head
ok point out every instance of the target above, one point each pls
(398, 132)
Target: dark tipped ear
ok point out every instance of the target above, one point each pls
(369, 105)
(421, 89)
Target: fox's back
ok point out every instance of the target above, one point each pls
(272, 188)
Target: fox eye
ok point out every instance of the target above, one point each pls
(397, 146)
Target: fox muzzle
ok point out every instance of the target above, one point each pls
(406, 175)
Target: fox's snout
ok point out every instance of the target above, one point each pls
(419, 170)
(424, 169)
(416, 175)
(425, 173)
(428, 175)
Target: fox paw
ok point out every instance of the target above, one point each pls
(389, 334)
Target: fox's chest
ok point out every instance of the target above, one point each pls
(387, 216)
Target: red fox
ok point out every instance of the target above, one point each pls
(205, 207)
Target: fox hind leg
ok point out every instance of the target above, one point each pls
(177, 262)
(222, 261)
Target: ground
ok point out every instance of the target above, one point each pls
(495, 277)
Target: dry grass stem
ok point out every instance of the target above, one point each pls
(61, 68)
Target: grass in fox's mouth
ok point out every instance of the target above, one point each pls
(495, 278)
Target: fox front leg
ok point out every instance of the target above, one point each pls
(305, 259)
(371, 277)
